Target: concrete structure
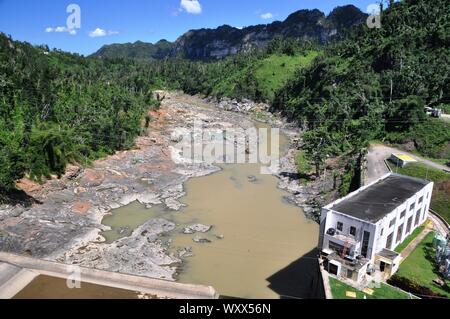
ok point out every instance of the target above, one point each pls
(358, 233)
(402, 159)
(16, 272)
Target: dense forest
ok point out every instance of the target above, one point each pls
(375, 85)
(57, 108)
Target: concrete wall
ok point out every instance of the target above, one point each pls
(384, 224)
(161, 288)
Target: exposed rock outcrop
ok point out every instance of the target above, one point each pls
(210, 44)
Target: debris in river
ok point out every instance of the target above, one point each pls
(252, 179)
(196, 228)
(201, 240)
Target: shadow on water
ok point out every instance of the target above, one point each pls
(301, 279)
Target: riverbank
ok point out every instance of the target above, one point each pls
(67, 226)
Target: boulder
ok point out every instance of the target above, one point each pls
(201, 240)
(197, 228)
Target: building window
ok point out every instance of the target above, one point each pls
(409, 224)
(392, 223)
(382, 232)
(389, 241)
(340, 226)
(417, 218)
(403, 214)
(353, 231)
(399, 233)
(421, 200)
(349, 273)
(365, 244)
(412, 206)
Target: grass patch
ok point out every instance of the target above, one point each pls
(409, 239)
(303, 165)
(441, 192)
(339, 289)
(420, 267)
(273, 71)
(266, 75)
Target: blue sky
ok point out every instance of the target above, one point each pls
(119, 21)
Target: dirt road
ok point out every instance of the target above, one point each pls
(376, 167)
(378, 153)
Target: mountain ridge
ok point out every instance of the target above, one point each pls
(225, 40)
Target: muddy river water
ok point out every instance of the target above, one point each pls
(260, 245)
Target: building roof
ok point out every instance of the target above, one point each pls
(404, 157)
(388, 254)
(380, 198)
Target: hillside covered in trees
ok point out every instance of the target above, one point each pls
(375, 85)
(57, 108)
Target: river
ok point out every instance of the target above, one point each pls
(261, 246)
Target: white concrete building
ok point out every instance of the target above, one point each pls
(359, 232)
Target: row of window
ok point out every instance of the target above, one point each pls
(340, 227)
(403, 213)
(400, 229)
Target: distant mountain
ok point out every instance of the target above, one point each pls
(207, 44)
(137, 50)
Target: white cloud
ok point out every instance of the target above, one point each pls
(61, 30)
(98, 33)
(191, 6)
(267, 15)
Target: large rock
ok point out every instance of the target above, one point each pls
(197, 228)
(140, 254)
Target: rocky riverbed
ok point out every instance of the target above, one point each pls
(65, 221)
(310, 195)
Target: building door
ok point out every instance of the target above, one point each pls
(333, 269)
(389, 241)
(382, 266)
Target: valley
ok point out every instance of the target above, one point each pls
(119, 162)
